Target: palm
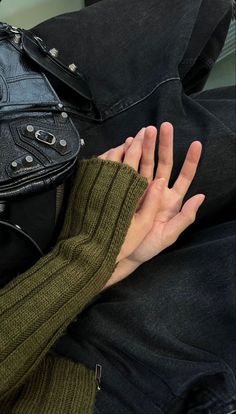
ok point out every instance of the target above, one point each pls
(161, 234)
(170, 219)
(169, 206)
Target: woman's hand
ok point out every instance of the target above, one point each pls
(169, 219)
(159, 218)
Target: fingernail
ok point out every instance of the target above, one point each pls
(201, 201)
(128, 140)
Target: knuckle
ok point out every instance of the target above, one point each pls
(148, 164)
(165, 162)
(168, 163)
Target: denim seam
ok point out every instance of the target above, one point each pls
(130, 103)
(202, 58)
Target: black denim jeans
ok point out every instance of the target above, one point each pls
(165, 336)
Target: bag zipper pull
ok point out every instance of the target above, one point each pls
(98, 376)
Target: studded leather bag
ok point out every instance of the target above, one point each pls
(39, 144)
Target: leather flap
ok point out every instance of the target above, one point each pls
(35, 49)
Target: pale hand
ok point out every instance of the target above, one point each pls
(159, 218)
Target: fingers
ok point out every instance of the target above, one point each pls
(128, 142)
(131, 151)
(141, 148)
(184, 218)
(103, 156)
(188, 169)
(134, 153)
(165, 151)
(151, 201)
(116, 154)
(148, 153)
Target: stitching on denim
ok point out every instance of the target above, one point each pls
(130, 103)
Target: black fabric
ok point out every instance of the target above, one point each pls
(36, 215)
(165, 336)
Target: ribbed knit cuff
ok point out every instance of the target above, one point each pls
(101, 184)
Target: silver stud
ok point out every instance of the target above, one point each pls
(17, 38)
(14, 29)
(64, 115)
(30, 128)
(63, 143)
(82, 142)
(60, 105)
(29, 159)
(14, 165)
(72, 67)
(53, 52)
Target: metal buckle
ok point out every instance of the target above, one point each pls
(45, 137)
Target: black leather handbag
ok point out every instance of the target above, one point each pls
(39, 144)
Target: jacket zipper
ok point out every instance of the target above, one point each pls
(98, 376)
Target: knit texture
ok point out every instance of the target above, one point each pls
(38, 305)
(57, 386)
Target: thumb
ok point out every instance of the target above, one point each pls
(184, 218)
(151, 200)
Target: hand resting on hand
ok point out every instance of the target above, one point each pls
(159, 218)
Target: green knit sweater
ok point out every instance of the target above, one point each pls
(39, 304)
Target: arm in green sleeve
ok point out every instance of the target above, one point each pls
(37, 306)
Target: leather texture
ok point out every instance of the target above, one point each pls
(39, 143)
(40, 53)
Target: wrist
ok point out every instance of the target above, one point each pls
(123, 269)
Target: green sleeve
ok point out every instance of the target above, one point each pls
(38, 305)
